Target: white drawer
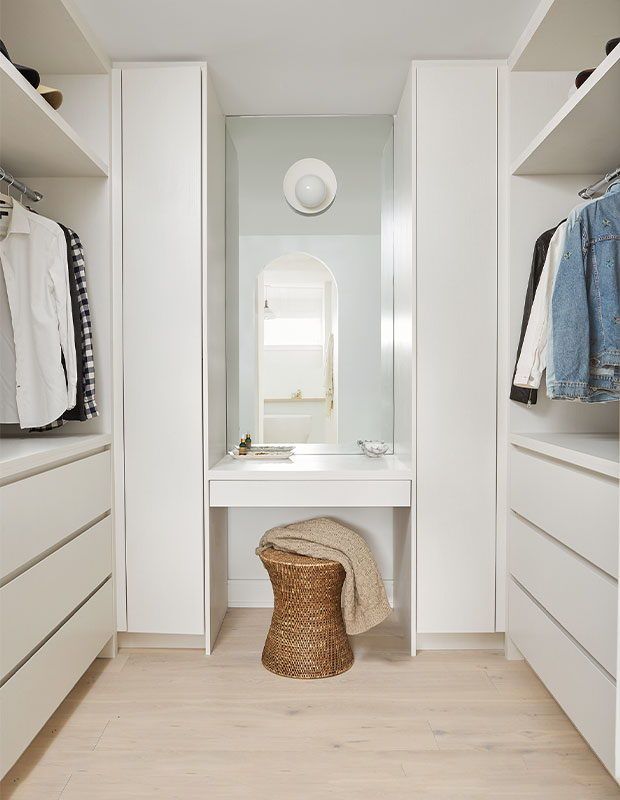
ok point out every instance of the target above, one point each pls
(583, 599)
(29, 697)
(38, 600)
(586, 694)
(40, 511)
(288, 493)
(578, 507)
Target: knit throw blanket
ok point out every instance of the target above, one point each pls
(364, 600)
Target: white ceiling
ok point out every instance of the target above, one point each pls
(307, 56)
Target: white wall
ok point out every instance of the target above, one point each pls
(248, 583)
(267, 146)
(285, 371)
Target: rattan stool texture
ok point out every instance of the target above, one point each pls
(307, 637)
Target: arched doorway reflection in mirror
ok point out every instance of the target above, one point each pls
(297, 337)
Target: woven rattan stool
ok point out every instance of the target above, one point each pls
(307, 637)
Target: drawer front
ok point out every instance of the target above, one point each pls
(40, 511)
(583, 690)
(29, 697)
(583, 599)
(38, 600)
(343, 494)
(578, 507)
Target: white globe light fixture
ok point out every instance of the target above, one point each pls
(310, 186)
(311, 191)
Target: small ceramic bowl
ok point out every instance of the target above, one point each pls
(373, 449)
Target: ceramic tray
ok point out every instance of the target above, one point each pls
(264, 453)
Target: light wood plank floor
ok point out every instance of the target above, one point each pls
(177, 725)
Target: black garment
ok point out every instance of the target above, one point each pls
(77, 412)
(519, 393)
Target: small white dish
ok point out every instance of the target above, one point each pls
(373, 448)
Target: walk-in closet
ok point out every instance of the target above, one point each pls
(309, 383)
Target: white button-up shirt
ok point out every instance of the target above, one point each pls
(36, 322)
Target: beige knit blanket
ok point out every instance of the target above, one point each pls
(364, 600)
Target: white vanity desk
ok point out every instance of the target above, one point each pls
(323, 482)
(311, 480)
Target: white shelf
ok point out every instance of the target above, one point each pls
(566, 35)
(35, 141)
(599, 452)
(50, 36)
(313, 467)
(22, 454)
(582, 138)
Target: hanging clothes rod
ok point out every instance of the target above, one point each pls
(31, 194)
(590, 191)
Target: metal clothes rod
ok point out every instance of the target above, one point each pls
(590, 191)
(31, 194)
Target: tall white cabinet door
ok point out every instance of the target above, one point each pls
(162, 331)
(456, 336)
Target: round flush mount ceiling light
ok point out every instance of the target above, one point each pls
(311, 191)
(310, 186)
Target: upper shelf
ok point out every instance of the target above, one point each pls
(599, 452)
(35, 141)
(582, 138)
(566, 35)
(50, 36)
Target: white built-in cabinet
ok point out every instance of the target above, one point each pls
(456, 288)
(162, 151)
(57, 513)
(178, 484)
(563, 510)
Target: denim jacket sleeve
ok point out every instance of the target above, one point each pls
(569, 367)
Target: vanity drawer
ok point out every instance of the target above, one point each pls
(581, 598)
(291, 493)
(574, 505)
(586, 694)
(40, 511)
(35, 602)
(34, 692)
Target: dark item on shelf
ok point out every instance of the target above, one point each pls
(30, 74)
(611, 44)
(307, 637)
(583, 77)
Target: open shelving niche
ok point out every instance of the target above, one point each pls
(577, 145)
(556, 147)
(582, 138)
(65, 155)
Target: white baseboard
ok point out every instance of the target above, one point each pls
(258, 594)
(460, 641)
(185, 641)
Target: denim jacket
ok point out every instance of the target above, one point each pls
(585, 307)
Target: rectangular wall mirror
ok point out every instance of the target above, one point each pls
(309, 287)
